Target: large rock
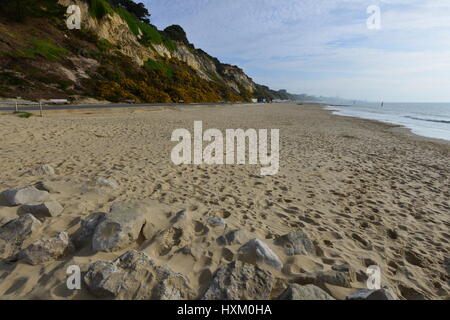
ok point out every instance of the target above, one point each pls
(216, 222)
(320, 278)
(120, 228)
(15, 232)
(240, 281)
(44, 210)
(257, 251)
(43, 251)
(296, 243)
(365, 294)
(308, 292)
(83, 236)
(134, 276)
(25, 195)
(234, 237)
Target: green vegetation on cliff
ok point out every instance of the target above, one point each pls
(41, 58)
(99, 8)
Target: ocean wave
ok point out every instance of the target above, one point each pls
(428, 120)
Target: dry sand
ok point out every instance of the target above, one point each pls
(365, 192)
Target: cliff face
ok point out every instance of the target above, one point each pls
(115, 30)
(108, 59)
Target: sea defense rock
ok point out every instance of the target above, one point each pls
(43, 251)
(134, 276)
(240, 281)
(24, 195)
(365, 294)
(121, 227)
(44, 170)
(44, 210)
(257, 251)
(296, 243)
(234, 237)
(84, 234)
(308, 292)
(216, 222)
(15, 232)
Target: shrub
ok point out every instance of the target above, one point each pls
(147, 33)
(176, 32)
(23, 114)
(44, 48)
(99, 8)
(159, 65)
(8, 78)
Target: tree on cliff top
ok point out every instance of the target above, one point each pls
(176, 33)
(137, 9)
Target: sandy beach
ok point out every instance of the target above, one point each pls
(365, 193)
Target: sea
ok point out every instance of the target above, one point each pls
(425, 119)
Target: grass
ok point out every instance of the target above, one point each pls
(23, 114)
(148, 34)
(99, 8)
(169, 44)
(159, 65)
(104, 45)
(43, 48)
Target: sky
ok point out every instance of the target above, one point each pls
(324, 47)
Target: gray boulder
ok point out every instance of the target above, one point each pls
(25, 195)
(15, 232)
(216, 222)
(44, 210)
(134, 276)
(308, 292)
(366, 294)
(256, 251)
(296, 243)
(83, 236)
(121, 227)
(235, 237)
(43, 251)
(240, 281)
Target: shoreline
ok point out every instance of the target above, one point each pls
(409, 132)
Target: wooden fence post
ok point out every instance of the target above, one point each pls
(40, 108)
